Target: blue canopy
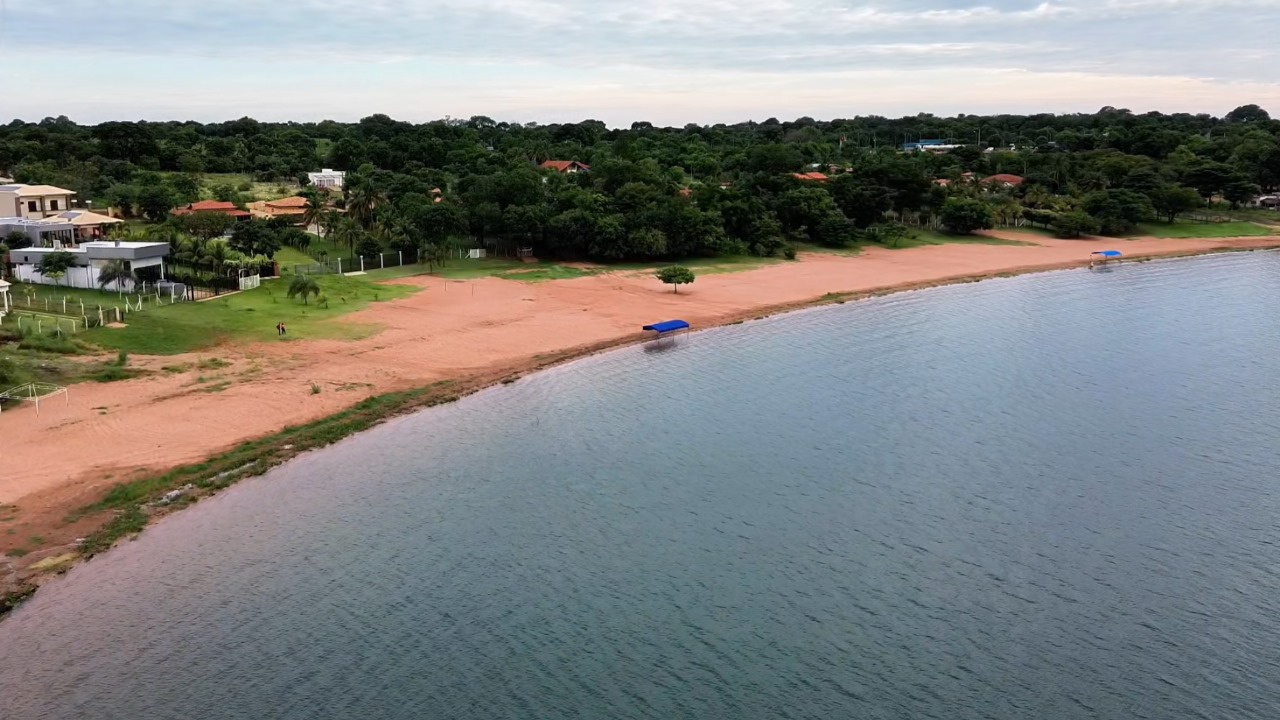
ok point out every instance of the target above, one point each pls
(668, 326)
(1108, 253)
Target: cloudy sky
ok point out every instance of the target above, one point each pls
(665, 61)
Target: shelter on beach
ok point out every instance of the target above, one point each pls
(1102, 257)
(667, 327)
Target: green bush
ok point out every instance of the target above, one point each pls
(245, 186)
(789, 252)
(50, 344)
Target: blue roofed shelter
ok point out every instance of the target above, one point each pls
(1104, 256)
(667, 327)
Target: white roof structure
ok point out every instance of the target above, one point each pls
(35, 190)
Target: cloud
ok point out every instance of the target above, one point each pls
(472, 49)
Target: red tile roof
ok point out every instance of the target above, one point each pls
(563, 165)
(289, 202)
(1003, 179)
(815, 176)
(225, 208)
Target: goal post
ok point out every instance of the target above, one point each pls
(35, 392)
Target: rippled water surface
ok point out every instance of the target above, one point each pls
(1052, 496)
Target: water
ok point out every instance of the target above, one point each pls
(1051, 496)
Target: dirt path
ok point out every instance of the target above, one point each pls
(107, 432)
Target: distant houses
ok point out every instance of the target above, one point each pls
(327, 179)
(212, 206)
(293, 209)
(1004, 180)
(33, 202)
(569, 167)
(931, 146)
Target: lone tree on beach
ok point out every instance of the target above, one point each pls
(675, 276)
(303, 285)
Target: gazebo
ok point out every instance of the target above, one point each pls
(4, 298)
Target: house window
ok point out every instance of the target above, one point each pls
(32, 206)
(53, 205)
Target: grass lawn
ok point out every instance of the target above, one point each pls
(925, 237)
(287, 257)
(701, 265)
(248, 316)
(1183, 229)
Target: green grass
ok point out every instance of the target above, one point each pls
(248, 316)
(287, 257)
(258, 191)
(1183, 229)
(547, 272)
(701, 265)
(923, 237)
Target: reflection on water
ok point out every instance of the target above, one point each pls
(1050, 496)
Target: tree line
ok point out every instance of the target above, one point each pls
(663, 192)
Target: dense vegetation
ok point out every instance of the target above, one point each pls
(656, 193)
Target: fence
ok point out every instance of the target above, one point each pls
(357, 263)
(68, 315)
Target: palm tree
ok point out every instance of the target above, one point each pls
(328, 221)
(115, 271)
(315, 209)
(216, 255)
(303, 285)
(348, 232)
(364, 198)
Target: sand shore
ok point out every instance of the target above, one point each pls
(107, 433)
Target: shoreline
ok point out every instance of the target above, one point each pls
(129, 506)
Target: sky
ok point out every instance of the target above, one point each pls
(669, 62)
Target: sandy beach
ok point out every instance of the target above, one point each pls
(107, 433)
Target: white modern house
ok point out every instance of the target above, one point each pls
(33, 202)
(327, 179)
(145, 259)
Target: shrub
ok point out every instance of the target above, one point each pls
(789, 252)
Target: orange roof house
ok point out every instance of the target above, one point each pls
(1004, 179)
(290, 207)
(212, 206)
(810, 176)
(565, 166)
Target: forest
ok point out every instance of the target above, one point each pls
(667, 193)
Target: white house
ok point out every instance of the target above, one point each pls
(4, 298)
(145, 259)
(33, 202)
(328, 179)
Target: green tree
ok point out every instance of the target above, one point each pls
(315, 209)
(255, 237)
(115, 272)
(224, 192)
(1173, 200)
(675, 276)
(205, 225)
(16, 240)
(862, 202)
(1117, 211)
(155, 201)
(56, 264)
(1074, 223)
(186, 187)
(964, 216)
(1239, 190)
(302, 285)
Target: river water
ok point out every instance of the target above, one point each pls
(1050, 496)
